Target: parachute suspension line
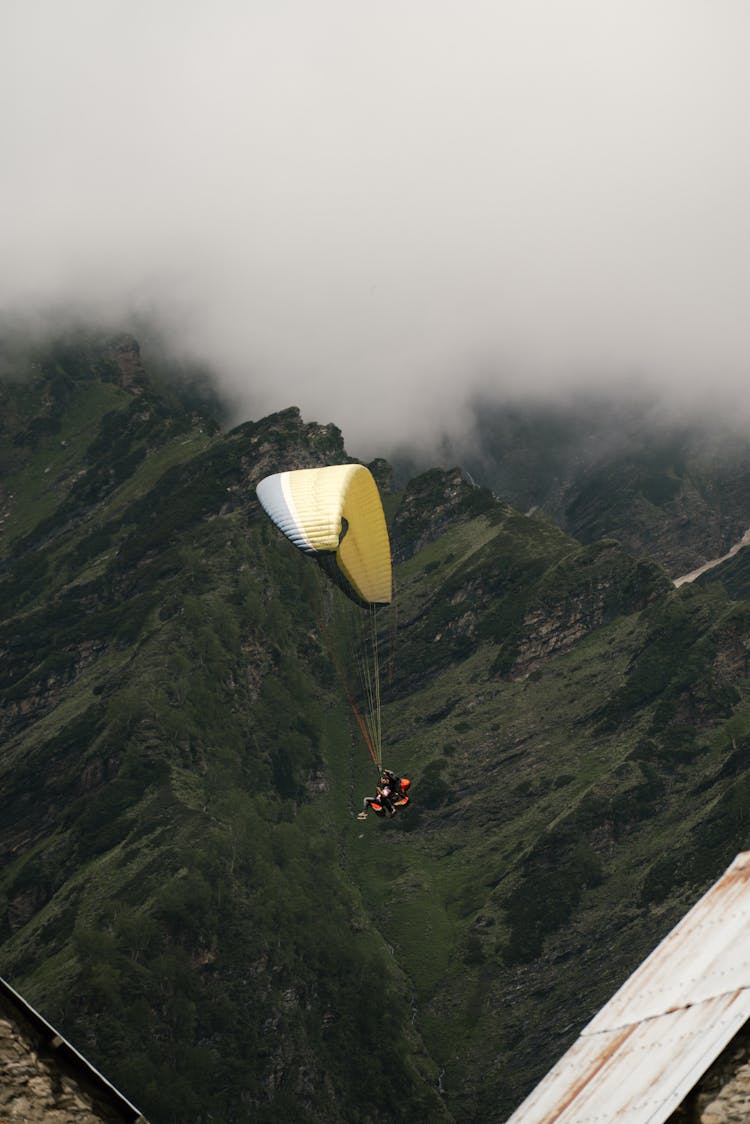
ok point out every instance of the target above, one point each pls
(376, 717)
(365, 632)
(392, 632)
(367, 665)
(377, 713)
(361, 661)
(362, 726)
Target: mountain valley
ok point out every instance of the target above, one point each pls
(184, 888)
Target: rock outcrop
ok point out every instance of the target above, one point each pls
(44, 1081)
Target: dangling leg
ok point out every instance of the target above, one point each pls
(368, 800)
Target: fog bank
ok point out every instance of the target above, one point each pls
(376, 212)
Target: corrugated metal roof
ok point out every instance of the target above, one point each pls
(645, 1050)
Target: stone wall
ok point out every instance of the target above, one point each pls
(39, 1083)
(722, 1095)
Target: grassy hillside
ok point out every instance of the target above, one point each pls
(577, 728)
(184, 888)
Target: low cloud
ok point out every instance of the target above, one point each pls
(378, 213)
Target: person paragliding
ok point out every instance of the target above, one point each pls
(335, 514)
(391, 793)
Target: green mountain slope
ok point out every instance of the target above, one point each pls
(171, 880)
(579, 729)
(184, 889)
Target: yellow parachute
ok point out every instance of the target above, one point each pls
(335, 511)
(335, 514)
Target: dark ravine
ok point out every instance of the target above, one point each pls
(184, 890)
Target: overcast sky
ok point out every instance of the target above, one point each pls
(369, 209)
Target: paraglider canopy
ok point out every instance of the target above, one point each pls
(335, 514)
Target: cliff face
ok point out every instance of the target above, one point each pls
(183, 887)
(682, 514)
(677, 491)
(521, 584)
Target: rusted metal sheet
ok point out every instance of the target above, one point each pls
(638, 1074)
(645, 1050)
(706, 954)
